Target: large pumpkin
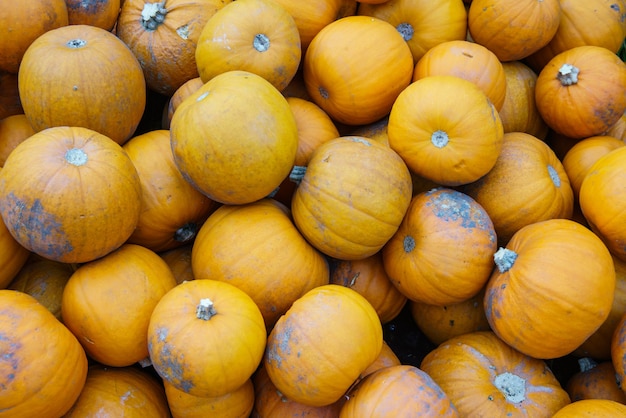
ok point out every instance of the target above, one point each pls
(553, 287)
(81, 75)
(43, 367)
(70, 194)
(352, 197)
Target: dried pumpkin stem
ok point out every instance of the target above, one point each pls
(76, 157)
(152, 15)
(512, 386)
(504, 259)
(568, 74)
(586, 363)
(297, 173)
(205, 309)
(261, 42)
(186, 232)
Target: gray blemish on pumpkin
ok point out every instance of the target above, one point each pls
(360, 140)
(454, 206)
(170, 367)
(554, 176)
(183, 32)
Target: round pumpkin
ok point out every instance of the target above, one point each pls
(358, 190)
(320, 373)
(479, 372)
(531, 301)
(597, 408)
(13, 255)
(446, 130)
(70, 194)
(13, 130)
(229, 161)
(618, 130)
(179, 261)
(206, 337)
(595, 381)
(98, 78)
(186, 89)
(35, 383)
(100, 13)
(386, 358)
(355, 67)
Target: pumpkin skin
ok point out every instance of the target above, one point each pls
(34, 384)
(13, 256)
(597, 408)
(355, 67)
(595, 381)
(513, 29)
(107, 94)
(319, 374)
(13, 130)
(401, 390)
(206, 337)
(164, 37)
(467, 60)
(386, 358)
(450, 142)
(422, 23)
(172, 210)
(618, 130)
(100, 13)
(359, 190)
(579, 91)
(484, 376)
(179, 261)
(550, 318)
(99, 296)
(22, 24)
(181, 93)
(527, 184)
(257, 248)
(442, 227)
(43, 176)
(258, 36)
(229, 161)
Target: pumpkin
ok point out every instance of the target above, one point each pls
(10, 103)
(618, 350)
(164, 36)
(446, 130)
(443, 251)
(469, 61)
(13, 130)
(595, 381)
(519, 112)
(257, 248)
(34, 384)
(100, 13)
(82, 75)
(513, 29)
(527, 184)
(579, 91)
(206, 337)
(107, 303)
(530, 300)
(22, 24)
(186, 89)
(229, 161)
(368, 277)
(598, 408)
(358, 190)
(355, 67)
(423, 24)
(376, 131)
(401, 390)
(482, 374)
(179, 261)
(13, 255)
(172, 210)
(319, 374)
(235, 404)
(618, 130)
(258, 36)
(386, 358)
(70, 194)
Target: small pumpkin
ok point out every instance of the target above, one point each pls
(595, 381)
(100, 13)
(13, 130)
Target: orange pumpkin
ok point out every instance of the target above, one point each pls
(579, 91)
(257, 248)
(13, 130)
(206, 337)
(479, 372)
(100, 13)
(595, 381)
(358, 190)
(530, 300)
(618, 130)
(70, 194)
(13, 255)
(386, 358)
(355, 67)
(229, 161)
(527, 184)
(34, 383)
(181, 93)
(598, 408)
(319, 374)
(179, 261)
(82, 75)
(446, 130)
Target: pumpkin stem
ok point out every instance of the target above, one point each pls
(504, 259)
(146, 362)
(261, 42)
(512, 386)
(76, 157)
(186, 232)
(297, 173)
(568, 74)
(406, 30)
(76, 43)
(205, 309)
(439, 138)
(152, 15)
(586, 363)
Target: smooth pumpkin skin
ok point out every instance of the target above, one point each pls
(401, 390)
(186, 89)
(82, 75)
(358, 190)
(100, 13)
(320, 374)
(206, 357)
(13, 130)
(618, 130)
(235, 404)
(13, 256)
(229, 161)
(446, 130)
(179, 261)
(35, 382)
(107, 303)
(70, 194)
(595, 381)
(531, 301)
(481, 375)
(597, 408)
(257, 248)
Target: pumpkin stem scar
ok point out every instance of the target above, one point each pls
(261, 42)
(568, 74)
(297, 173)
(504, 259)
(406, 30)
(152, 15)
(439, 138)
(186, 232)
(205, 309)
(408, 244)
(76, 157)
(323, 93)
(76, 43)
(512, 386)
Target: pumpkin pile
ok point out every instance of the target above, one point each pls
(234, 208)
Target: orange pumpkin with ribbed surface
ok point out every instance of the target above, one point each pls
(235, 404)
(597, 408)
(595, 381)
